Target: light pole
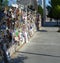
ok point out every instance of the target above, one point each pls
(44, 11)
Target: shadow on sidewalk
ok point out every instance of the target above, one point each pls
(19, 59)
(42, 31)
(38, 54)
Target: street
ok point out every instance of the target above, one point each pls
(44, 47)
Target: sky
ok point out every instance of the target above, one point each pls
(11, 2)
(47, 2)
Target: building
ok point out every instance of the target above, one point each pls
(35, 4)
(28, 2)
(41, 2)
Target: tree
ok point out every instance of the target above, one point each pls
(40, 10)
(54, 9)
(5, 3)
(1, 4)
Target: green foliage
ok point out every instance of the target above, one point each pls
(0, 4)
(40, 10)
(54, 9)
(5, 3)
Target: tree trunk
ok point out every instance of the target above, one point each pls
(58, 26)
(50, 19)
(57, 22)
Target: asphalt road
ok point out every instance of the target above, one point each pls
(44, 47)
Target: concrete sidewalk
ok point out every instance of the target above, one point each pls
(43, 48)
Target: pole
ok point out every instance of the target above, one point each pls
(44, 12)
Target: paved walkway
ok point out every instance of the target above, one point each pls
(43, 48)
